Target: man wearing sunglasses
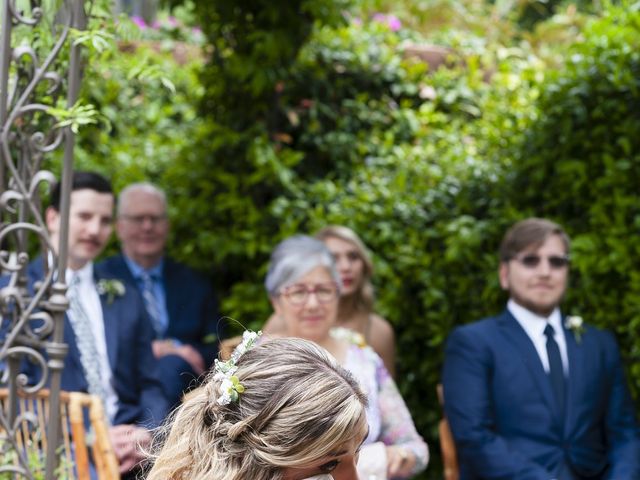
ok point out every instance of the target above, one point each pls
(532, 394)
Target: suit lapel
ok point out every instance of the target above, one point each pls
(110, 320)
(575, 355)
(171, 285)
(121, 269)
(528, 354)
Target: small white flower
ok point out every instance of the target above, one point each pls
(112, 288)
(225, 393)
(576, 325)
(249, 338)
(573, 321)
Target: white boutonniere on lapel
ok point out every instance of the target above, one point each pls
(576, 325)
(112, 288)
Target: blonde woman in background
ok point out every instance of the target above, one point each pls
(296, 415)
(355, 307)
(304, 287)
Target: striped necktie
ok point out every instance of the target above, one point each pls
(151, 304)
(85, 340)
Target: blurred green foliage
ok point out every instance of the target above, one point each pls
(296, 115)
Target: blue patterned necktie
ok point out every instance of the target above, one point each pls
(85, 340)
(556, 372)
(151, 303)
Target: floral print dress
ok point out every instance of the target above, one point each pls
(388, 416)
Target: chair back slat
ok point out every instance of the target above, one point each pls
(104, 456)
(76, 421)
(447, 444)
(77, 454)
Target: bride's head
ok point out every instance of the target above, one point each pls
(296, 414)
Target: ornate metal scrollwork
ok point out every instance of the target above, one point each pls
(39, 67)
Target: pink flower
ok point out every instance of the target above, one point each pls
(391, 21)
(139, 21)
(172, 21)
(394, 23)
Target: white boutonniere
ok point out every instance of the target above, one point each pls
(576, 325)
(112, 288)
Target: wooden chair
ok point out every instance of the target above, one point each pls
(447, 445)
(77, 446)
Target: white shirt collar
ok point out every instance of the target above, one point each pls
(85, 274)
(532, 323)
(534, 326)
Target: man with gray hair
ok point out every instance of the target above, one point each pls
(180, 302)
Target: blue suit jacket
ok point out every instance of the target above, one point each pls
(191, 304)
(503, 416)
(128, 333)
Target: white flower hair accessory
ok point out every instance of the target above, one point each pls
(576, 325)
(230, 386)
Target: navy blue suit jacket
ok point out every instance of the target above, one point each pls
(128, 333)
(191, 304)
(503, 416)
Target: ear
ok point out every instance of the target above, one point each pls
(52, 218)
(504, 275)
(275, 303)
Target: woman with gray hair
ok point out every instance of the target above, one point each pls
(304, 286)
(356, 304)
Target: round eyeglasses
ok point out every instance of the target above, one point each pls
(298, 294)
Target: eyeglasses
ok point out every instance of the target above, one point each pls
(139, 220)
(299, 294)
(532, 260)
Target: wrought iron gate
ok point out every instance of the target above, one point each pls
(40, 68)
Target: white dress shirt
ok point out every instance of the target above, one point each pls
(90, 301)
(534, 326)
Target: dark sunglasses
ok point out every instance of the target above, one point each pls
(531, 260)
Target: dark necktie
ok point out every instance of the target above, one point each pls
(556, 372)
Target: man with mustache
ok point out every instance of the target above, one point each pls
(106, 327)
(534, 394)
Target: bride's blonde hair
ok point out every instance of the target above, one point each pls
(298, 407)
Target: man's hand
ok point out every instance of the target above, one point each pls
(128, 443)
(186, 352)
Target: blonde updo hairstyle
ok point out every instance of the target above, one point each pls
(364, 296)
(298, 407)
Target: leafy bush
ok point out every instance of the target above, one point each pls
(580, 164)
